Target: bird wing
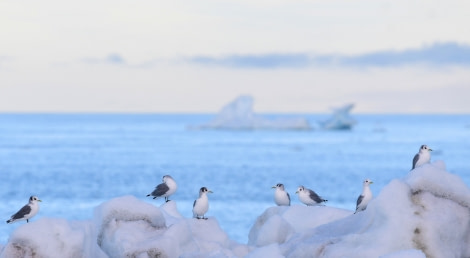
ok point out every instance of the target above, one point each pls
(160, 190)
(359, 200)
(415, 160)
(314, 196)
(194, 204)
(288, 197)
(22, 212)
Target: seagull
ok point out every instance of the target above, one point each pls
(309, 197)
(365, 197)
(28, 211)
(165, 189)
(281, 197)
(201, 205)
(422, 157)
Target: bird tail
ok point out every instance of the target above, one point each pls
(10, 221)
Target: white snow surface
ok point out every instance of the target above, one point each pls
(239, 115)
(424, 214)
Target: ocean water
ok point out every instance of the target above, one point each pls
(74, 162)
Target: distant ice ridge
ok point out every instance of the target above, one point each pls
(239, 115)
(340, 119)
(424, 214)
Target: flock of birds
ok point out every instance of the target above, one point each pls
(201, 204)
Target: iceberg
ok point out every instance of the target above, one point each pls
(340, 119)
(239, 115)
(424, 214)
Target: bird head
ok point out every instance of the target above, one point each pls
(204, 190)
(34, 199)
(424, 147)
(300, 189)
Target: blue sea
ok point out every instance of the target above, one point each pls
(74, 162)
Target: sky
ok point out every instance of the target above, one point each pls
(292, 56)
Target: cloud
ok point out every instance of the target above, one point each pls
(257, 61)
(112, 58)
(439, 54)
(4, 59)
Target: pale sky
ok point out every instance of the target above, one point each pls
(196, 56)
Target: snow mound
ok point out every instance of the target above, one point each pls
(131, 229)
(124, 227)
(239, 115)
(52, 237)
(278, 224)
(425, 214)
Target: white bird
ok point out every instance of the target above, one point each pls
(422, 157)
(28, 211)
(309, 197)
(365, 197)
(201, 204)
(165, 189)
(281, 197)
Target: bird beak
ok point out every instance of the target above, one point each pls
(371, 182)
(296, 191)
(210, 191)
(273, 187)
(430, 149)
(39, 201)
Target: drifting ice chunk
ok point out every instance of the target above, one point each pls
(340, 120)
(239, 115)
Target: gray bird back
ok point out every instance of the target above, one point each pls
(23, 212)
(314, 196)
(160, 190)
(359, 199)
(415, 160)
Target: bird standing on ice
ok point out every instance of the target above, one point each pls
(281, 197)
(165, 189)
(309, 197)
(28, 211)
(365, 197)
(201, 204)
(422, 157)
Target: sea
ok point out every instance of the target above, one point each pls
(75, 162)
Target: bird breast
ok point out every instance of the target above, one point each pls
(280, 197)
(202, 205)
(305, 198)
(172, 185)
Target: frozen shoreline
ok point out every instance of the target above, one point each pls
(426, 213)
